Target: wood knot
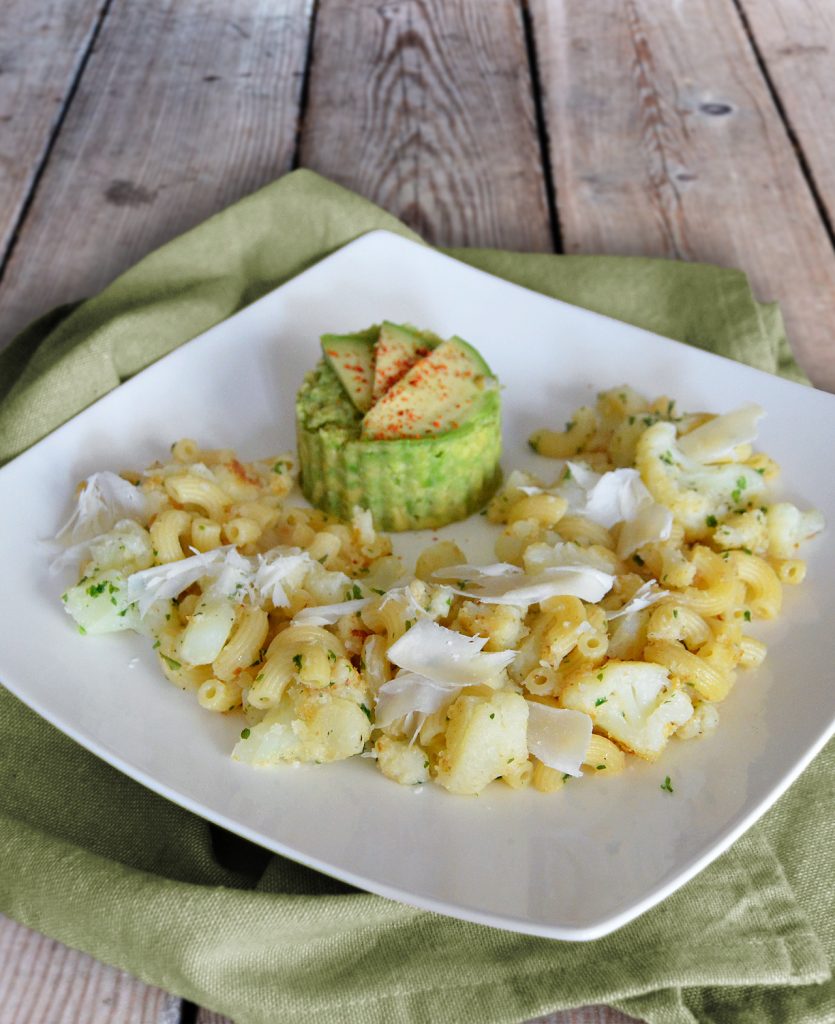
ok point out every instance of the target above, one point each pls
(716, 109)
(126, 193)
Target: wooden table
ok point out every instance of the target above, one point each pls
(690, 129)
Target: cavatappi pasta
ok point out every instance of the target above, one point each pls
(616, 618)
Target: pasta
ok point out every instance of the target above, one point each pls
(614, 621)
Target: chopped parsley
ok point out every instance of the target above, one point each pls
(156, 644)
(636, 558)
(675, 613)
(569, 426)
(600, 768)
(96, 589)
(376, 591)
(282, 467)
(600, 677)
(746, 615)
(82, 631)
(567, 474)
(171, 662)
(533, 444)
(712, 521)
(356, 593)
(297, 661)
(667, 457)
(331, 655)
(666, 785)
(366, 712)
(245, 734)
(600, 700)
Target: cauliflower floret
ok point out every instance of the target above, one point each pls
(788, 527)
(486, 739)
(503, 624)
(704, 721)
(632, 702)
(127, 546)
(692, 491)
(746, 531)
(404, 763)
(308, 725)
(99, 603)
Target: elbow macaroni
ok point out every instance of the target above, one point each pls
(308, 692)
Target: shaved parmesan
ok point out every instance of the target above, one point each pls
(162, 582)
(615, 497)
(643, 597)
(508, 584)
(718, 437)
(328, 614)
(558, 737)
(445, 656)
(652, 522)
(279, 568)
(103, 500)
(412, 696)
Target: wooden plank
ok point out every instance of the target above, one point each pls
(44, 982)
(426, 108)
(796, 41)
(666, 142)
(184, 106)
(38, 67)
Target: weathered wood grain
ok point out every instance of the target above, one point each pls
(796, 40)
(665, 141)
(184, 106)
(38, 67)
(425, 107)
(44, 982)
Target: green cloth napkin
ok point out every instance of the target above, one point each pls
(95, 860)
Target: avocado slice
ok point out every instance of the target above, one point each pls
(397, 350)
(440, 392)
(351, 356)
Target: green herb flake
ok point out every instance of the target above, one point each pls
(426, 763)
(356, 593)
(82, 631)
(648, 421)
(666, 785)
(366, 712)
(245, 734)
(667, 457)
(510, 760)
(712, 521)
(156, 644)
(533, 444)
(675, 613)
(761, 471)
(748, 551)
(331, 656)
(297, 661)
(566, 777)
(569, 426)
(96, 589)
(567, 474)
(259, 677)
(600, 700)
(171, 663)
(636, 558)
(746, 615)
(600, 768)
(631, 420)
(600, 676)
(492, 714)
(377, 591)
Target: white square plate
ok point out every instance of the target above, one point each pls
(575, 865)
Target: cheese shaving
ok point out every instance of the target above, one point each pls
(503, 584)
(559, 737)
(653, 522)
(445, 656)
(643, 597)
(230, 572)
(328, 614)
(718, 437)
(103, 500)
(412, 696)
(278, 568)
